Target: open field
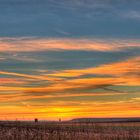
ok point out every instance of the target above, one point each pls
(69, 131)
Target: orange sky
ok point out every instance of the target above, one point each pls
(69, 78)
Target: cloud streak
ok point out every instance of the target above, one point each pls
(35, 45)
(69, 90)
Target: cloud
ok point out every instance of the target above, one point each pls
(136, 99)
(29, 87)
(131, 14)
(74, 91)
(11, 81)
(23, 97)
(2, 58)
(29, 76)
(36, 44)
(119, 73)
(127, 70)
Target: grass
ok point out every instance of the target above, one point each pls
(69, 131)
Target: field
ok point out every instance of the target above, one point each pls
(69, 131)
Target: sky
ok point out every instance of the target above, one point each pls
(69, 59)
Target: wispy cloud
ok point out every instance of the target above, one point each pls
(69, 91)
(131, 14)
(69, 58)
(11, 81)
(34, 44)
(30, 77)
(128, 69)
(122, 73)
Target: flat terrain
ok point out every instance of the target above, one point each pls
(69, 131)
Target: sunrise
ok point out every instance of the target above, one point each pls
(66, 61)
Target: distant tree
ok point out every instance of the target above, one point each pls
(36, 120)
(59, 119)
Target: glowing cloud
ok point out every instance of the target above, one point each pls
(34, 44)
(68, 91)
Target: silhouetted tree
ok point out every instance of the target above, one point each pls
(36, 120)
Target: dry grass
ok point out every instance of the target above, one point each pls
(69, 131)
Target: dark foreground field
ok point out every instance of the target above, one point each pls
(69, 131)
